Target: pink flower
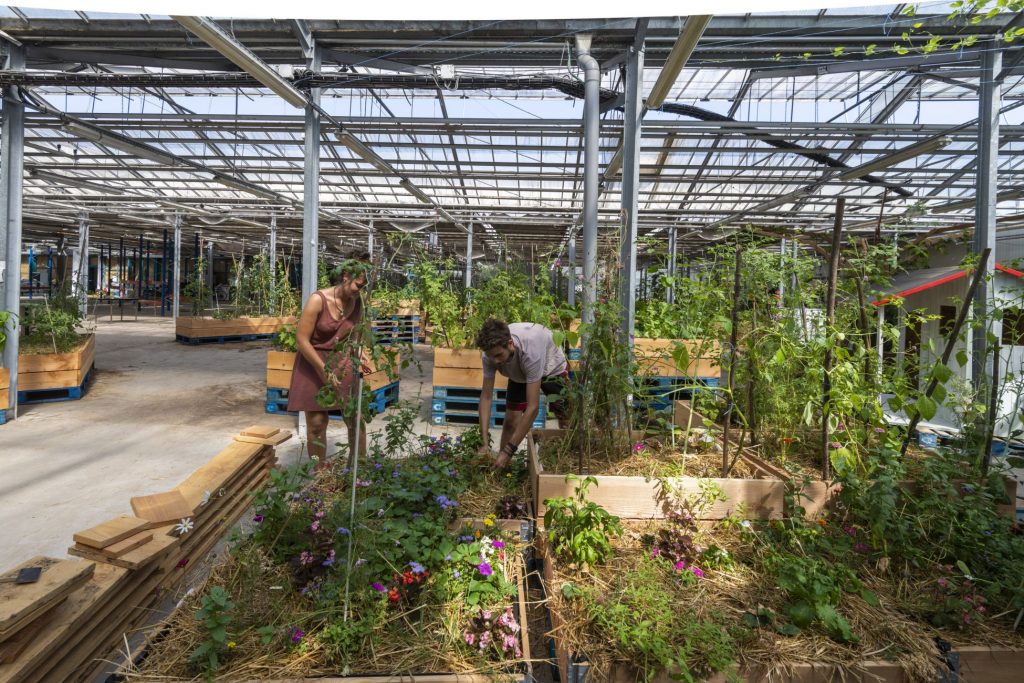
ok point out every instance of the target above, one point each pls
(639, 446)
(485, 570)
(679, 566)
(654, 552)
(315, 526)
(698, 572)
(470, 637)
(306, 557)
(836, 444)
(942, 582)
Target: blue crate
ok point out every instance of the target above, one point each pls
(574, 354)
(3, 417)
(465, 392)
(30, 396)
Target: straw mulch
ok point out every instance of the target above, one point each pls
(885, 633)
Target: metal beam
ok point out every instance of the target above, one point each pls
(12, 160)
(224, 43)
(176, 286)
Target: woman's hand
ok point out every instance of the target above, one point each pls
(365, 361)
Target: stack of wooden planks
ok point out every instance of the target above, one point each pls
(137, 560)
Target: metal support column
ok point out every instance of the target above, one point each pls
(782, 270)
(985, 208)
(633, 121)
(80, 266)
(163, 278)
(99, 269)
(673, 266)
(209, 265)
(138, 271)
(272, 256)
(370, 246)
(12, 171)
(176, 285)
(591, 151)
(571, 294)
(469, 258)
(311, 187)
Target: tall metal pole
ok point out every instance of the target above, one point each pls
(138, 272)
(177, 267)
(673, 247)
(369, 242)
(311, 187)
(591, 130)
(12, 171)
(272, 256)
(163, 278)
(782, 269)
(469, 257)
(985, 208)
(209, 264)
(629, 203)
(571, 294)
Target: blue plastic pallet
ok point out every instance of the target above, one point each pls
(449, 419)
(3, 417)
(383, 318)
(465, 392)
(277, 401)
(31, 396)
(225, 339)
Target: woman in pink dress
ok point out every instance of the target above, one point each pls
(330, 316)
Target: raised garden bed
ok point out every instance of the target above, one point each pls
(639, 497)
(199, 330)
(461, 368)
(5, 393)
(44, 377)
(654, 358)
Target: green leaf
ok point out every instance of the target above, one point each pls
(925, 407)
(961, 357)
(942, 372)
(788, 629)
(939, 394)
(963, 568)
(869, 597)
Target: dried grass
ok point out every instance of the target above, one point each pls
(886, 633)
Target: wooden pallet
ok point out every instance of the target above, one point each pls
(461, 368)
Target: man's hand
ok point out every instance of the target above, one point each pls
(504, 456)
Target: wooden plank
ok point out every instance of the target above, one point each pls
(50, 379)
(11, 648)
(279, 379)
(654, 357)
(127, 545)
(19, 604)
(111, 531)
(55, 362)
(685, 416)
(457, 358)
(216, 473)
(377, 380)
(5, 378)
(161, 508)
(260, 431)
(138, 558)
(281, 360)
(272, 441)
(464, 377)
(991, 665)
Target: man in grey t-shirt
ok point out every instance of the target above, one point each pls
(527, 354)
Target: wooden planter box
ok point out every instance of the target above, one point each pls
(197, 328)
(461, 368)
(56, 370)
(637, 497)
(975, 664)
(5, 388)
(654, 358)
(281, 363)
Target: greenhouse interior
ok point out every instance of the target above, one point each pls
(514, 349)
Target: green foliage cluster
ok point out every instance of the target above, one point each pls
(579, 529)
(259, 291)
(51, 326)
(215, 617)
(196, 289)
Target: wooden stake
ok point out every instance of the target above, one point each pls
(830, 314)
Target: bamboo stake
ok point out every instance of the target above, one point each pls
(950, 342)
(830, 314)
(732, 359)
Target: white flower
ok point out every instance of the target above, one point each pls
(184, 526)
(745, 524)
(206, 498)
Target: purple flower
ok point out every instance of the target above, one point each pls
(879, 430)
(484, 569)
(330, 559)
(426, 468)
(416, 567)
(258, 518)
(836, 444)
(394, 475)
(862, 547)
(456, 573)
(378, 586)
(297, 634)
(655, 552)
(377, 465)
(679, 566)
(342, 531)
(465, 539)
(698, 572)
(360, 562)
(446, 503)
(497, 544)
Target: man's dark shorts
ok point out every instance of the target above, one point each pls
(553, 386)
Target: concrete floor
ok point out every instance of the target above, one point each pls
(155, 411)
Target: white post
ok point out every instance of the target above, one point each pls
(177, 267)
